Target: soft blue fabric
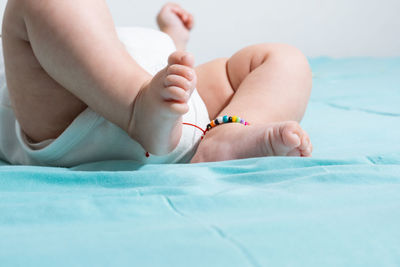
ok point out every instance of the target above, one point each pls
(339, 208)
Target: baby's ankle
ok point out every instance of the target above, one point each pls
(180, 40)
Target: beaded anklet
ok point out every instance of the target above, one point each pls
(226, 119)
(214, 123)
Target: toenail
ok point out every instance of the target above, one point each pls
(186, 57)
(306, 142)
(191, 75)
(186, 85)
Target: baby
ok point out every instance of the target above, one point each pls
(54, 72)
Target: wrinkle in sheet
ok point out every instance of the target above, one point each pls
(218, 231)
(237, 244)
(375, 112)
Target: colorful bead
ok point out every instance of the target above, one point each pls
(225, 119)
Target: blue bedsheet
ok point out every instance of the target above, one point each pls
(339, 208)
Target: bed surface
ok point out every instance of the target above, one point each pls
(339, 208)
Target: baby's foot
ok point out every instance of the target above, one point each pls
(235, 141)
(177, 23)
(157, 116)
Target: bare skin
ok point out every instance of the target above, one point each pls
(225, 84)
(52, 75)
(177, 23)
(160, 104)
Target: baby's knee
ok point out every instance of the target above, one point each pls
(30, 8)
(290, 57)
(16, 9)
(279, 53)
(19, 5)
(290, 54)
(290, 60)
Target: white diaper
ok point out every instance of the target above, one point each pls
(90, 137)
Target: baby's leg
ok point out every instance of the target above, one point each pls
(61, 56)
(268, 85)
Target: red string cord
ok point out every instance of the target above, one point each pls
(204, 131)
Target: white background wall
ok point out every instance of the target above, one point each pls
(337, 28)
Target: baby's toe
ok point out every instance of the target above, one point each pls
(181, 58)
(174, 93)
(291, 134)
(177, 108)
(305, 141)
(181, 70)
(307, 151)
(178, 81)
(306, 147)
(294, 153)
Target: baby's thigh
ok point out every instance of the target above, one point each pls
(43, 108)
(214, 86)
